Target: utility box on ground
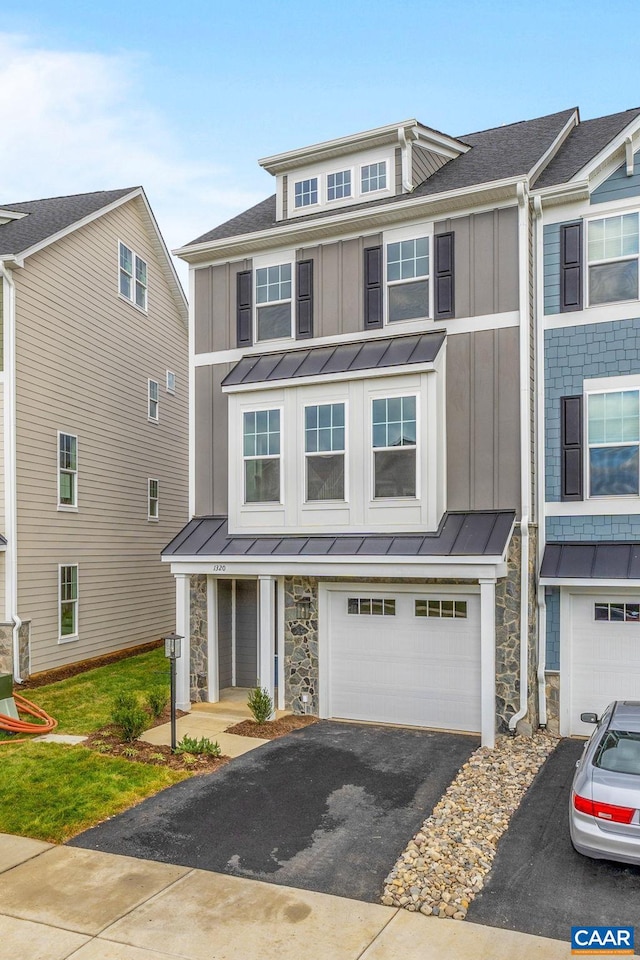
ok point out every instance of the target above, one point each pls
(7, 703)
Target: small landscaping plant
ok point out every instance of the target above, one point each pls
(157, 700)
(260, 704)
(204, 746)
(129, 716)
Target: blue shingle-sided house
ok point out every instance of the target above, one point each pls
(366, 417)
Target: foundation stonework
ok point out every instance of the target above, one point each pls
(199, 629)
(552, 684)
(6, 648)
(301, 645)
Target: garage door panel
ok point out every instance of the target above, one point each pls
(405, 669)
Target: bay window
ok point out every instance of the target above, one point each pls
(261, 455)
(394, 435)
(324, 437)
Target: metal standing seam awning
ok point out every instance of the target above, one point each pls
(603, 562)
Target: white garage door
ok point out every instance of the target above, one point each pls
(406, 658)
(605, 653)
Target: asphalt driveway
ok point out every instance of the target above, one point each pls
(327, 808)
(538, 883)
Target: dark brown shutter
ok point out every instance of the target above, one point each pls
(570, 267)
(304, 299)
(444, 299)
(372, 287)
(571, 448)
(244, 324)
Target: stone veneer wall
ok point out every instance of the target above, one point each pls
(533, 717)
(199, 627)
(301, 646)
(552, 683)
(508, 638)
(6, 648)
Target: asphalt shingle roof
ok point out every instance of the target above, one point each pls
(47, 217)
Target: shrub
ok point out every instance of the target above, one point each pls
(260, 704)
(202, 746)
(129, 716)
(157, 699)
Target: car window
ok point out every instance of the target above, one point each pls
(619, 752)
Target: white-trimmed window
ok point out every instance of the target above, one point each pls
(394, 437)
(153, 512)
(261, 456)
(373, 176)
(152, 400)
(133, 276)
(67, 470)
(274, 291)
(171, 381)
(371, 606)
(305, 192)
(612, 254)
(68, 601)
(441, 609)
(407, 279)
(339, 185)
(613, 440)
(324, 445)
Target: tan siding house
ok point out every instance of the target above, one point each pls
(85, 526)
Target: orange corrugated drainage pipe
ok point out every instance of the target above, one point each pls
(11, 725)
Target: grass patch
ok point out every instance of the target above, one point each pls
(83, 704)
(52, 792)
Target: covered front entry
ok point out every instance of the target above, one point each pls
(600, 652)
(237, 633)
(403, 656)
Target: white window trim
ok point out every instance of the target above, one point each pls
(597, 386)
(316, 203)
(354, 165)
(132, 300)
(415, 232)
(389, 395)
(262, 505)
(350, 197)
(68, 507)
(150, 515)
(69, 636)
(589, 263)
(260, 263)
(171, 377)
(151, 400)
(389, 171)
(330, 504)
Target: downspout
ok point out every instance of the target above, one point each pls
(542, 533)
(525, 448)
(11, 510)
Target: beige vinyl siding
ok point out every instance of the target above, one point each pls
(424, 163)
(84, 356)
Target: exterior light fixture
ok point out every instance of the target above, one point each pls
(173, 651)
(303, 608)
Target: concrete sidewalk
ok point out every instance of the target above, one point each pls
(65, 902)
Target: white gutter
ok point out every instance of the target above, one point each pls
(10, 498)
(525, 447)
(540, 461)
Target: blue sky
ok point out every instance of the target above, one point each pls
(185, 97)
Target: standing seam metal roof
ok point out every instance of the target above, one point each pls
(600, 560)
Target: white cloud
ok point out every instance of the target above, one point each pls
(75, 122)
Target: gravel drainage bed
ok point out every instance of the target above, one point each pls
(444, 866)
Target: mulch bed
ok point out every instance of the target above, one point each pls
(108, 742)
(272, 728)
(73, 669)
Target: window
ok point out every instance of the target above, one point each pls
(68, 618)
(613, 427)
(324, 444)
(408, 279)
(394, 447)
(133, 277)
(373, 176)
(339, 185)
(152, 510)
(612, 248)
(371, 607)
(617, 612)
(67, 470)
(273, 299)
(261, 445)
(153, 406)
(306, 192)
(171, 381)
(442, 609)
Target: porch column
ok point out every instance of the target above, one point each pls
(488, 662)
(183, 627)
(266, 634)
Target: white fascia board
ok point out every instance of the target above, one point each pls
(301, 233)
(607, 152)
(367, 374)
(458, 568)
(572, 192)
(595, 584)
(550, 153)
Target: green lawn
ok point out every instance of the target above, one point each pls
(53, 791)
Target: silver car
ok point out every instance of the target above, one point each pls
(604, 813)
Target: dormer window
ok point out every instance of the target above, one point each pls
(306, 192)
(339, 185)
(373, 176)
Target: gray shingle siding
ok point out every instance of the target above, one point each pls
(567, 529)
(551, 256)
(619, 185)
